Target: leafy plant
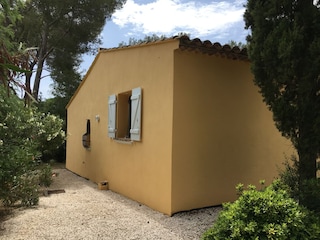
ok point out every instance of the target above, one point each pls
(48, 133)
(284, 51)
(289, 176)
(23, 136)
(45, 175)
(268, 213)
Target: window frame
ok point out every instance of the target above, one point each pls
(124, 115)
(86, 143)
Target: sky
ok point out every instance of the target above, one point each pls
(217, 21)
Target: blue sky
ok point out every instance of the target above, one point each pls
(217, 21)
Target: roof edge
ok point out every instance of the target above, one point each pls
(216, 48)
(185, 44)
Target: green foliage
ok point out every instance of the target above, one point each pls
(11, 57)
(148, 38)
(284, 49)
(268, 213)
(16, 151)
(55, 106)
(50, 135)
(9, 16)
(62, 31)
(133, 41)
(240, 45)
(45, 175)
(24, 135)
(310, 187)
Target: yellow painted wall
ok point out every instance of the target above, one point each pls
(142, 170)
(223, 133)
(204, 128)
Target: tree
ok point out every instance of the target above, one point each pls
(25, 136)
(9, 15)
(284, 48)
(240, 45)
(25, 133)
(60, 28)
(11, 56)
(66, 77)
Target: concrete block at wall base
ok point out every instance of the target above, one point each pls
(103, 185)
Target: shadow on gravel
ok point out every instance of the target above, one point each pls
(63, 179)
(5, 214)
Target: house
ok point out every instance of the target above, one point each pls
(174, 124)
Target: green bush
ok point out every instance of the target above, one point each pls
(49, 134)
(27, 191)
(289, 176)
(24, 135)
(268, 213)
(45, 175)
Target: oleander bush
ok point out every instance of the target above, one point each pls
(269, 213)
(24, 134)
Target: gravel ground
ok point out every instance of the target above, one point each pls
(84, 212)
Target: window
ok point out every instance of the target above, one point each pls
(124, 121)
(86, 136)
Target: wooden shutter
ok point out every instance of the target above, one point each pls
(112, 103)
(136, 99)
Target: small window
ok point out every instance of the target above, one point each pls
(125, 115)
(86, 136)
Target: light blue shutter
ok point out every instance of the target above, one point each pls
(112, 103)
(136, 99)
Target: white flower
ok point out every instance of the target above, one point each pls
(1, 142)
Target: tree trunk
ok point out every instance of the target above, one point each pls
(307, 151)
(28, 89)
(37, 79)
(307, 164)
(41, 59)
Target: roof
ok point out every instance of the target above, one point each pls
(216, 48)
(205, 47)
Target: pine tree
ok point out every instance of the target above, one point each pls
(60, 30)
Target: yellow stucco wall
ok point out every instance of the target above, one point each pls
(142, 170)
(223, 133)
(204, 128)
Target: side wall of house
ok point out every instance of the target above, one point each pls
(223, 134)
(141, 170)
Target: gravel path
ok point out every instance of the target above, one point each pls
(84, 212)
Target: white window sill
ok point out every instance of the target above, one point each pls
(123, 140)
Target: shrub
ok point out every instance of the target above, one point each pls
(269, 213)
(45, 175)
(23, 136)
(48, 133)
(290, 178)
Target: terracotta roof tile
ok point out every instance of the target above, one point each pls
(205, 47)
(216, 48)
